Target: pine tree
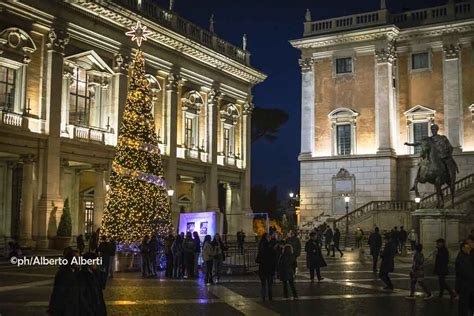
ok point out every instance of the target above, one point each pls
(65, 225)
(137, 202)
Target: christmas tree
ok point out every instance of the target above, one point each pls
(137, 203)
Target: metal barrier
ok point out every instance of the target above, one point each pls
(236, 262)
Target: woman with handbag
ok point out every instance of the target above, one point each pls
(417, 273)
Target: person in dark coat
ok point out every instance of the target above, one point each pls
(295, 244)
(80, 243)
(64, 299)
(267, 260)
(153, 246)
(465, 279)
(94, 241)
(169, 255)
(388, 262)
(91, 299)
(441, 268)
(104, 252)
(417, 274)
(395, 236)
(112, 252)
(177, 250)
(328, 242)
(188, 250)
(241, 241)
(336, 239)
(375, 244)
(197, 252)
(314, 257)
(403, 235)
(286, 265)
(145, 252)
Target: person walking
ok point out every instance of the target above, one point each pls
(417, 273)
(266, 260)
(441, 268)
(413, 238)
(219, 257)
(104, 251)
(188, 250)
(359, 235)
(286, 265)
(388, 262)
(395, 236)
(465, 279)
(336, 239)
(314, 257)
(403, 235)
(208, 254)
(177, 251)
(328, 242)
(168, 243)
(80, 243)
(197, 252)
(375, 244)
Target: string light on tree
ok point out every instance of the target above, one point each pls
(137, 202)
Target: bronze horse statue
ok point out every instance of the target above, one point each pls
(435, 170)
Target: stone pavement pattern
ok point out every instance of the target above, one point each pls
(349, 288)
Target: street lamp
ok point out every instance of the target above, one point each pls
(170, 195)
(291, 195)
(417, 201)
(347, 199)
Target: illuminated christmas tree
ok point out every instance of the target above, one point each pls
(137, 202)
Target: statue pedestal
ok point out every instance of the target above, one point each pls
(439, 223)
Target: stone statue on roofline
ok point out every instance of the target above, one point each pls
(244, 42)
(211, 23)
(307, 16)
(437, 165)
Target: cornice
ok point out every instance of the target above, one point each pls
(389, 32)
(166, 37)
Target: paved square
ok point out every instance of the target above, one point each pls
(349, 288)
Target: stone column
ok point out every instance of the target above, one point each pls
(119, 91)
(211, 178)
(245, 184)
(78, 214)
(198, 198)
(99, 196)
(453, 120)
(385, 118)
(26, 212)
(67, 81)
(171, 106)
(307, 107)
(236, 215)
(50, 197)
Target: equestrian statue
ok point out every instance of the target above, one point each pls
(437, 165)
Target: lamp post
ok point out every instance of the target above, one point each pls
(347, 199)
(170, 195)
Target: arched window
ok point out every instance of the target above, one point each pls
(343, 131)
(191, 105)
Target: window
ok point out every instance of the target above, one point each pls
(79, 98)
(227, 148)
(188, 133)
(7, 87)
(420, 61)
(343, 139)
(420, 131)
(88, 216)
(343, 65)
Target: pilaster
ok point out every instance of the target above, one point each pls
(245, 184)
(119, 90)
(453, 121)
(99, 195)
(307, 107)
(385, 112)
(213, 101)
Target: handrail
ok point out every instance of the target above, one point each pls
(458, 186)
(376, 205)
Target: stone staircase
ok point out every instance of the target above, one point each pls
(386, 214)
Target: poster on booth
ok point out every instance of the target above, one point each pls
(204, 223)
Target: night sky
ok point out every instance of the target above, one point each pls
(269, 25)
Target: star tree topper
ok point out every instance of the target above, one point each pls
(139, 33)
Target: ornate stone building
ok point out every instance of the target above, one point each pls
(370, 83)
(63, 85)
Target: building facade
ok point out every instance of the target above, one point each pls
(64, 67)
(370, 83)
